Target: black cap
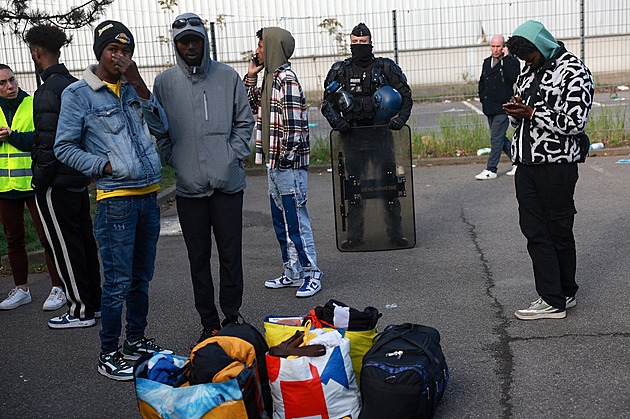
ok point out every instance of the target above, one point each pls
(361, 30)
(111, 31)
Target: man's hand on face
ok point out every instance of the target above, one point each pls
(128, 68)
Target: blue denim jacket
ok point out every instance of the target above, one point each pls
(96, 126)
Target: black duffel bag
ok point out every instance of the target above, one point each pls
(404, 374)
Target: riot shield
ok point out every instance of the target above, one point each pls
(373, 189)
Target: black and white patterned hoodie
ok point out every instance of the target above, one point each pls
(561, 110)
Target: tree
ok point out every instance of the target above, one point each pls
(18, 15)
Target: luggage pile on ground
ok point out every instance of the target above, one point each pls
(330, 363)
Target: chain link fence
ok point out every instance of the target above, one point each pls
(439, 45)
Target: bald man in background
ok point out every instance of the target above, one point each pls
(498, 75)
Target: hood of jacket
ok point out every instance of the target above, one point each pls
(536, 33)
(205, 60)
(278, 47)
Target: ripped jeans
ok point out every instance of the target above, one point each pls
(287, 193)
(127, 229)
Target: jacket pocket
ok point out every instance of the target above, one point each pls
(136, 112)
(120, 168)
(111, 119)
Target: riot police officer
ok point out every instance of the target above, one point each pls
(348, 103)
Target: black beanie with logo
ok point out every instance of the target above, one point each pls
(111, 31)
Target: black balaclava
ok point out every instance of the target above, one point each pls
(362, 53)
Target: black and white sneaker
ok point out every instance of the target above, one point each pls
(134, 350)
(114, 366)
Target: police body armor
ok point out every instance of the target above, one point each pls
(372, 178)
(362, 83)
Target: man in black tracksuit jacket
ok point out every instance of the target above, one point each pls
(61, 191)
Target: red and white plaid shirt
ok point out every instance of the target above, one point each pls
(289, 145)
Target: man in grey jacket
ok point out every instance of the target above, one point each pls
(210, 124)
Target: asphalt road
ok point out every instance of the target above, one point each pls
(466, 276)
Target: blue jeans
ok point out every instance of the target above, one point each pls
(498, 141)
(291, 222)
(127, 229)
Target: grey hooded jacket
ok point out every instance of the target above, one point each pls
(210, 123)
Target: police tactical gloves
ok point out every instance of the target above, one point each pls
(341, 125)
(396, 123)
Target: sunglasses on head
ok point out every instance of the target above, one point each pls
(193, 21)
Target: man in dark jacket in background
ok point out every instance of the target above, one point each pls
(61, 191)
(498, 76)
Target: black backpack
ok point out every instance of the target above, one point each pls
(404, 374)
(250, 334)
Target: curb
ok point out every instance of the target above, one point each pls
(451, 161)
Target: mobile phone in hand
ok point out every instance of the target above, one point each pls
(255, 61)
(510, 105)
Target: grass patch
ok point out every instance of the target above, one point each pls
(609, 127)
(32, 240)
(465, 133)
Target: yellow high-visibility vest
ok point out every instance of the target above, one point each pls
(15, 165)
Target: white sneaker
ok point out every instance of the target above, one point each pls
(485, 175)
(539, 309)
(56, 299)
(283, 282)
(66, 321)
(511, 172)
(309, 288)
(16, 298)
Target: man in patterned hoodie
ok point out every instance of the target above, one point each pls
(553, 102)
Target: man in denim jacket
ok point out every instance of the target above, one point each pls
(104, 131)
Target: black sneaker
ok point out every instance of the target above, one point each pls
(135, 350)
(114, 366)
(207, 333)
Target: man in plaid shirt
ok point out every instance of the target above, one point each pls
(282, 142)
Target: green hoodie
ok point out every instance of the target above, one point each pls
(536, 33)
(278, 46)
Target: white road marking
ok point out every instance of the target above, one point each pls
(473, 107)
(600, 170)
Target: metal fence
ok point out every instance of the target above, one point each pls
(439, 45)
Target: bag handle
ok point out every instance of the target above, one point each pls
(400, 331)
(291, 347)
